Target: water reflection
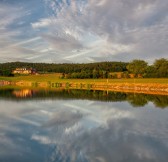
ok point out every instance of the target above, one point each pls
(135, 99)
(47, 128)
(23, 93)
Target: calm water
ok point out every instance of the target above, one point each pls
(82, 126)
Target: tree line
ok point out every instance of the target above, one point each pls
(157, 70)
(135, 68)
(65, 68)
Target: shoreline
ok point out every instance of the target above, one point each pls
(146, 88)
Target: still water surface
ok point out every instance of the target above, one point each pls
(82, 126)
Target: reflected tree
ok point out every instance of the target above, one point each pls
(137, 100)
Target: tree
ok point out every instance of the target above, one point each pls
(150, 72)
(137, 67)
(161, 67)
(105, 74)
(95, 73)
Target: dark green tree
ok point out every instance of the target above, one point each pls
(137, 67)
(95, 73)
(150, 72)
(161, 67)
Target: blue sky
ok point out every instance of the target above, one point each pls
(83, 30)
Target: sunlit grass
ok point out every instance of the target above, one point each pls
(56, 78)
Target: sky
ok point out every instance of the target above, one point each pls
(80, 31)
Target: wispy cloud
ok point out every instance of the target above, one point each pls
(127, 27)
(42, 23)
(81, 30)
(26, 41)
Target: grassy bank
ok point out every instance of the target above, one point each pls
(56, 78)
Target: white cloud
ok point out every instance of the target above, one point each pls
(42, 139)
(42, 23)
(26, 41)
(65, 43)
(6, 18)
(11, 45)
(122, 24)
(84, 31)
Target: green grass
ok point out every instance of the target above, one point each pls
(35, 78)
(55, 78)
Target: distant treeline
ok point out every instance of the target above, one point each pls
(66, 68)
(135, 68)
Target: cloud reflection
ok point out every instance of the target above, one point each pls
(84, 131)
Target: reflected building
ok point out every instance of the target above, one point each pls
(23, 93)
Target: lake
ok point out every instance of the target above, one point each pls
(82, 126)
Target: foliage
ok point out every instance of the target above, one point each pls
(5, 72)
(66, 67)
(137, 67)
(161, 67)
(150, 72)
